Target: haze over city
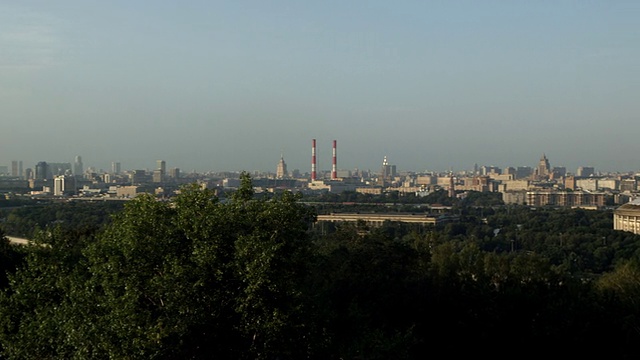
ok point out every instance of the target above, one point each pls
(234, 85)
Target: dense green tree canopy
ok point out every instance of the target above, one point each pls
(184, 279)
(249, 278)
(23, 221)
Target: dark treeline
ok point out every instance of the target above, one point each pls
(252, 279)
(24, 218)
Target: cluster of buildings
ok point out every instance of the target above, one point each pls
(537, 186)
(72, 180)
(541, 185)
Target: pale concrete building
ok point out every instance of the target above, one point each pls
(59, 184)
(589, 184)
(127, 191)
(515, 185)
(374, 190)
(628, 185)
(627, 217)
(426, 180)
(565, 198)
(518, 197)
(611, 184)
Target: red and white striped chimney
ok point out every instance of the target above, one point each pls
(313, 160)
(334, 169)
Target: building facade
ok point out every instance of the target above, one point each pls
(78, 168)
(281, 169)
(543, 169)
(627, 217)
(565, 198)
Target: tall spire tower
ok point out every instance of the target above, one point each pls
(281, 169)
(543, 168)
(384, 172)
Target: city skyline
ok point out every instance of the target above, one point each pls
(230, 86)
(324, 170)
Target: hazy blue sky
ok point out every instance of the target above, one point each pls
(213, 85)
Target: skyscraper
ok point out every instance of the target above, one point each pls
(115, 168)
(161, 170)
(78, 169)
(42, 171)
(281, 169)
(585, 171)
(543, 169)
(174, 173)
(162, 166)
(16, 168)
(523, 172)
(59, 185)
(387, 172)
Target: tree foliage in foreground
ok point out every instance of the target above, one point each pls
(197, 279)
(167, 280)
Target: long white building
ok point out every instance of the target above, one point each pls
(627, 217)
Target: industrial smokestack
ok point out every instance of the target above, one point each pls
(313, 160)
(334, 170)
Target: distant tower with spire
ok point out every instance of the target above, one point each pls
(384, 172)
(387, 173)
(281, 169)
(543, 169)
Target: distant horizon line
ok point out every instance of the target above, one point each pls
(450, 169)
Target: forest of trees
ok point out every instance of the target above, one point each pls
(251, 278)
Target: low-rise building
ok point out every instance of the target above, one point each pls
(627, 217)
(127, 191)
(565, 198)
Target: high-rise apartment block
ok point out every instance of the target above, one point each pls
(59, 185)
(59, 169)
(115, 168)
(488, 170)
(585, 171)
(138, 177)
(162, 166)
(558, 171)
(174, 173)
(78, 168)
(523, 172)
(509, 170)
(160, 171)
(16, 168)
(42, 171)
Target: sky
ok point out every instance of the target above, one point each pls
(235, 85)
